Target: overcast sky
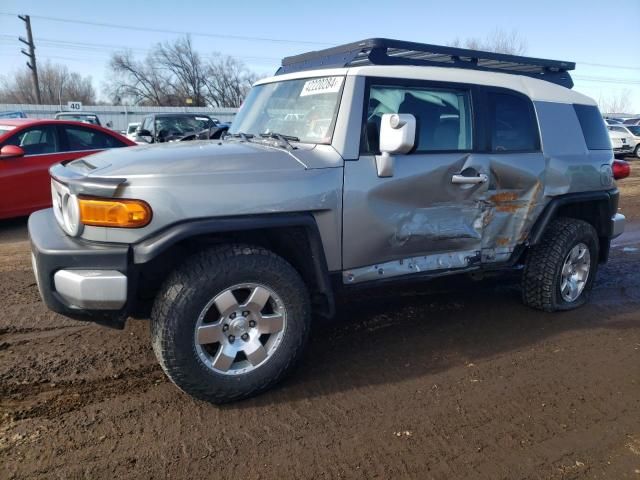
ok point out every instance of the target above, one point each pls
(262, 32)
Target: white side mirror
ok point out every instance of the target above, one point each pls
(397, 136)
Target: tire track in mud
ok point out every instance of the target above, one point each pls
(50, 400)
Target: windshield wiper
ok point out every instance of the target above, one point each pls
(286, 139)
(244, 136)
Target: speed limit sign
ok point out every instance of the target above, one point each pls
(74, 106)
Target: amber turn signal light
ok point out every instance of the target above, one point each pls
(110, 212)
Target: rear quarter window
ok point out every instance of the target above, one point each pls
(513, 123)
(593, 128)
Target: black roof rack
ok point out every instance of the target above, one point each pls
(385, 51)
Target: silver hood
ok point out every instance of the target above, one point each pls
(207, 179)
(200, 157)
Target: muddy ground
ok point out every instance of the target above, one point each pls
(415, 382)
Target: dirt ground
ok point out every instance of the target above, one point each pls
(406, 383)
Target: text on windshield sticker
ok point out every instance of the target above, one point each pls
(321, 85)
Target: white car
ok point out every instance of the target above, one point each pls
(630, 142)
(619, 144)
(634, 130)
(131, 130)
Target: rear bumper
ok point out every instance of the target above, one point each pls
(79, 279)
(625, 149)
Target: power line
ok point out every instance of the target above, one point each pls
(174, 32)
(606, 80)
(623, 67)
(100, 47)
(236, 37)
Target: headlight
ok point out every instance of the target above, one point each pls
(66, 209)
(71, 215)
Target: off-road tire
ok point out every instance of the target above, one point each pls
(636, 153)
(542, 271)
(186, 292)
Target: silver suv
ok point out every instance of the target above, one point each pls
(371, 162)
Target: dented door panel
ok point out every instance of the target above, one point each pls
(415, 212)
(418, 220)
(513, 201)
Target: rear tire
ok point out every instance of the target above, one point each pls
(551, 272)
(208, 299)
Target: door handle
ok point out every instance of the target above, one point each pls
(463, 179)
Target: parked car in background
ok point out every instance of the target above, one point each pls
(632, 121)
(84, 117)
(13, 114)
(172, 127)
(619, 144)
(627, 140)
(635, 132)
(131, 130)
(613, 121)
(29, 147)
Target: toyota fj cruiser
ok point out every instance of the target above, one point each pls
(370, 162)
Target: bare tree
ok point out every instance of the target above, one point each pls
(616, 102)
(186, 70)
(227, 81)
(174, 72)
(499, 41)
(138, 82)
(57, 85)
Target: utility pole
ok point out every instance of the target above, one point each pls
(31, 54)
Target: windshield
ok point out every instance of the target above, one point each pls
(635, 129)
(79, 118)
(305, 109)
(176, 125)
(12, 115)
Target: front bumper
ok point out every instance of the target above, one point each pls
(79, 279)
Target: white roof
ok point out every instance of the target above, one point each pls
(536, 90)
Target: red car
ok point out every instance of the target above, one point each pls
(28, 147)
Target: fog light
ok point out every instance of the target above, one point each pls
(120, 213)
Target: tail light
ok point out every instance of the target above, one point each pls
(621, 169)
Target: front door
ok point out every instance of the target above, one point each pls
(429, 214)
(24, 181)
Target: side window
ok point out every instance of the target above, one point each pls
(443, 116)
(36, 140)
(148, 124)
(593, 128)
(512, 123)
(79, 138)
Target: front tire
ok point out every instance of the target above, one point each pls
(231, 322)
(559, 272)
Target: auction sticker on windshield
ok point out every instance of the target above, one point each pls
(321, 85)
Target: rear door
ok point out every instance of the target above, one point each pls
(430, 214)
(519, 171)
